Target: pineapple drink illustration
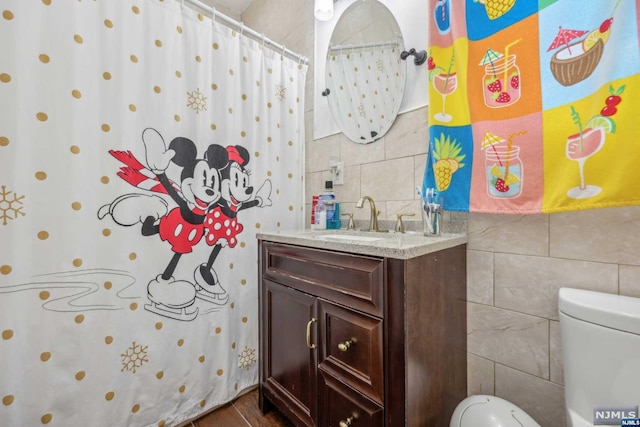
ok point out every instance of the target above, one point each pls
(447, 160)
(496, 8)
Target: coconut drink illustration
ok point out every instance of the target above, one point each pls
(576, 57)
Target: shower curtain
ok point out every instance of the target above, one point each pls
(532, 104)
(142, 146)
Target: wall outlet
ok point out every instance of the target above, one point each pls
(337, 170)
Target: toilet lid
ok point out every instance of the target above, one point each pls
(490, 411)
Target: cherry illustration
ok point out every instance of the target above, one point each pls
(609, 110)
(430, 63)
(606, 24)
(612, 100)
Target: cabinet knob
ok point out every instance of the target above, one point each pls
(347, 422)
(344, 346)
(309, 323)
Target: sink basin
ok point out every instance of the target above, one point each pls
(348, 237)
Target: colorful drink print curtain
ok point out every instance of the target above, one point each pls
(366, 85)
(141, 148)
(532, 105)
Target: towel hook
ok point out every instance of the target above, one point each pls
(421, 56)
(241, 29)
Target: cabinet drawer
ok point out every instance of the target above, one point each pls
(352, 349)
(342, 404)
(353, 280)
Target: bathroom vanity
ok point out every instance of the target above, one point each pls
(362, 329)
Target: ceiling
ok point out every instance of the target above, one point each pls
(238, 6)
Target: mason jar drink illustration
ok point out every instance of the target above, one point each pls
(441, 13)
(501, 82)
(504, 172)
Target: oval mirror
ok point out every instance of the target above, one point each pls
(365, 76)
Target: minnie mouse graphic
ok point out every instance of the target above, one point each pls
(221, 222)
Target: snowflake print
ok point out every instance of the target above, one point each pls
(380, 64)
(134, 357)
(197, 101)
(247, 358)
(10, 206)
(281, 92)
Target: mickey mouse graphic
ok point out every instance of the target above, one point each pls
(183, 226)
(222, 222)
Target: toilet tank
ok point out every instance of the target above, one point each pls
(600, 353)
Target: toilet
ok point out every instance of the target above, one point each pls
(600, 348)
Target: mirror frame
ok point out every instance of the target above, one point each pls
(364, 74)
(412, 17)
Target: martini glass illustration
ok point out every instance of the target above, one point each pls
(580, 147)
(444, 84)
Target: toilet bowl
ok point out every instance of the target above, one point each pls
(600, 343)
(489, 411)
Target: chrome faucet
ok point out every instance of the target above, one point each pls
(373, 220)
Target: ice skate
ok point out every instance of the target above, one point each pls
(131, 209)
(208, 287)
(171, 298)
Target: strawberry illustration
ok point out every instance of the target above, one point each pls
(503, 97)
(501, 185)
(515, 81)
(495, 86)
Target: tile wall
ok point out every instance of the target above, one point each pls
(516, 264)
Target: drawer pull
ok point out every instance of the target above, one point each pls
(344, 346)
(347, 422)
(309, 323)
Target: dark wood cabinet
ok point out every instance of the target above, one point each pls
(357, 340)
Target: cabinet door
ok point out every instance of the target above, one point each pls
(288, 364)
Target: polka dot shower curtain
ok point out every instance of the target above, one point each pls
(141, 147)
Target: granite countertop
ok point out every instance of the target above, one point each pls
(384, 244)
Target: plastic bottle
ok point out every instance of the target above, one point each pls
(329, 200)
(320, 216)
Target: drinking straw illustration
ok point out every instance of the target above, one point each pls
(506, 59)
(509, 144)
(446, 80)
(576, 119)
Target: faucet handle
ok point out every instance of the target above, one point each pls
(400, 224)
(351, 225)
